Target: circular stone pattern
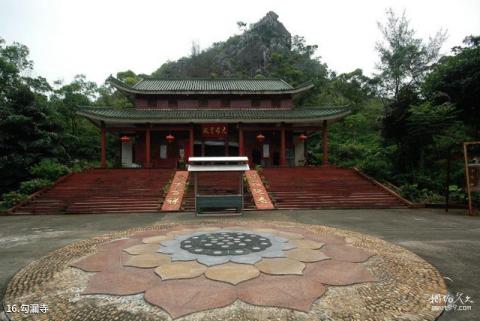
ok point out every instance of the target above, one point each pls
(304, 273)
(225, 243)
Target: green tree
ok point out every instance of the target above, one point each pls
(352, 89)
(80, 138)
(431, 126)
(28, 131)
(110, 97)
(456, 79)
(404, 59)
(298, 65)
(69, 97)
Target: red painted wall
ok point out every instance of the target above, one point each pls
(213, 102)
(157, 139)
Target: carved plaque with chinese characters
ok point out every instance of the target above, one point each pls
(214, 130)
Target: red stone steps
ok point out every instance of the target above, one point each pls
(102, 191)
(326, 187)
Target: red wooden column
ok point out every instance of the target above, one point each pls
(148, 163)
(103, 156)
(305, 152)
(283, 161)
(241, 146)
(190, 142)
(226, 146)
(325, 143)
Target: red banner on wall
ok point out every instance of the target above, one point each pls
(214, 130)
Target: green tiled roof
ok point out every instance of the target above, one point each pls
(209, 86)
(212, 84)
(295, 115)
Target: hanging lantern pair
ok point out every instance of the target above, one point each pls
(170, 138)
(261, 138)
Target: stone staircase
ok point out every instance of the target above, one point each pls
(326, 187)
(102, 191)
(142, 191)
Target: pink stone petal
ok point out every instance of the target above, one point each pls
(181, 297)
(346, 253)
(126, 281)
(334, 272)
(293, 292)
(101, 261)
(109, 256)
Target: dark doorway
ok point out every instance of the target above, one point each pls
(233, 150)
(276, 159)
(256, 157)
(214, 150)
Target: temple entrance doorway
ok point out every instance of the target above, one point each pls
(214, 150)
(210, 148)
(256, 157)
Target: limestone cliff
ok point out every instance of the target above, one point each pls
(246, 55)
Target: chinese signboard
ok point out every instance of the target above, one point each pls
(214, 130)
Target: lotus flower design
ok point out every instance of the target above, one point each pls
(191, 270)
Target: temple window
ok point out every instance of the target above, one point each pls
(152, 102)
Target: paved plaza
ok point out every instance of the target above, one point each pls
(293, 250)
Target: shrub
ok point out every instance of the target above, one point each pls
(78, 166)
(420, 195)
(182, 165)
(376, 166)
(12, 198)
(49, 169)
(31, 186)
(456, 194)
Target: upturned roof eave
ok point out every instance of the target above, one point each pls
(208, 121)
(128, 90)
(152, 120)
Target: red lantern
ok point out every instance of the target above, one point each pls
(170, 138)
(260, 137)
(302, 137)
(125, 139)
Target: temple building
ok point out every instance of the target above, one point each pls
(173, 119)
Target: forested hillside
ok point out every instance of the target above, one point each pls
(404, 122)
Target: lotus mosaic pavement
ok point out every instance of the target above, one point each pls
(233, 270)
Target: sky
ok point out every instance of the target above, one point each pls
(101, 37)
